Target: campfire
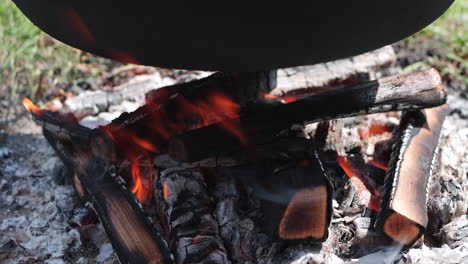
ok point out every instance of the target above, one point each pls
(236, 168)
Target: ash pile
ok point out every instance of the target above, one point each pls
(232, 208)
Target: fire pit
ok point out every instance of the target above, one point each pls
(203, 165)
(254, 202)
(238, 167)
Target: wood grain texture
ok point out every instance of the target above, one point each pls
(132, 235)
(403, 208)
(319, 77)
(408, 91)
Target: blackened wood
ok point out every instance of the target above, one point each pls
(186, 212)
(239, 216)
(64, 127)
(132, 235)
(344, 72)
(403, 211)
(293, 188)
(240, 86)
(174, 109)
(408, 91)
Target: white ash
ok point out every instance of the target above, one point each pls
(4, 153)
(105, 253)
(445, 254)
(39, 220)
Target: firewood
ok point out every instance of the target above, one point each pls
(160, 118)
(133, 237)
(344, 72)
(403, 211)
(294, 190)
(409, 91)
(94, 102)
(186, 212)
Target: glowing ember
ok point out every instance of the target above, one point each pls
(362, 183)
(378, 164)
(283, 99)
(165, 117)
(375, 130)
(165, 191)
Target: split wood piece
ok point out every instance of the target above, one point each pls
(64, 127)
(293, 188)
(186, 213)
(403, 211)
(320, 77)
(408, 91)
(132, 235)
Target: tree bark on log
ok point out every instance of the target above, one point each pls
(403, 211)
(132, 235)
(186, 212)
(408, 91)
(319, 77)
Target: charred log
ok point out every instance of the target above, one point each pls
(186, 212)
(293, 188)
(403, 211)
(132, 235)
(410, 91)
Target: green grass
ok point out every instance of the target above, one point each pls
(31, 62)
(25, 66)
(29, 68)
(449, 34)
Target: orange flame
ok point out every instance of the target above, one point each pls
(165, 191)
(362, 184)
(283, 99)
(30, 106)
(163, 119)
(142, 179)
(144, 144)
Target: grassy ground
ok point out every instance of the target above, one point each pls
(34, 65)
(443, 45)
(31, 63)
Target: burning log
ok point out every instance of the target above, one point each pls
(173, 110)
(186, 212)
(293, 188)
(133, 237)
(409, 91)
(403, 212)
